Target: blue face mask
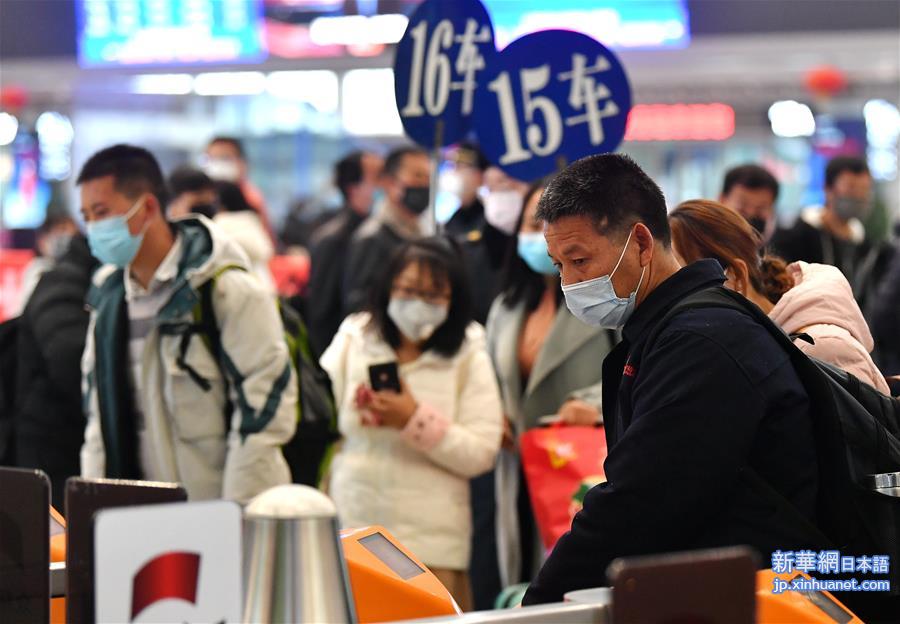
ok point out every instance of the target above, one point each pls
(532, 249)
(595, 302)
(110, 240)
(378, 199)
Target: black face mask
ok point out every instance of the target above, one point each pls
(759, 224)
(416, 198)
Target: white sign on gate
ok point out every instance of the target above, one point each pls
(169, 563)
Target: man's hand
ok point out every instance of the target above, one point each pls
(575, 412)
(393, 409)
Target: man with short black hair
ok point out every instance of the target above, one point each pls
(406, 178)
(751, 191)
(834, 233)
(356, 175)
(687, 412)
(158, 404)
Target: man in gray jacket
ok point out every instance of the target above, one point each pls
(164, 401)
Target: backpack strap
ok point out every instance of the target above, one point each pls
(209, 326)
(785, 507)
(720, 297)
(181, 360)
(206, 326)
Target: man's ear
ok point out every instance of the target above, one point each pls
(153, 207)
(646, 243)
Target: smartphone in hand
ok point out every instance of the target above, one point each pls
(384, 376)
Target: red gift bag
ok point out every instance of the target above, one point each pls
(561, 464)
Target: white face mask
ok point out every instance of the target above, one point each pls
(502, 210)
(416, 319)
(596, 303)
(451, 182)
(224, 169)
(59, 245)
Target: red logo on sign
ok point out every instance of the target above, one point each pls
(170, 575)
(629, 370)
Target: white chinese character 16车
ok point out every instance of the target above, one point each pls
(469, 61)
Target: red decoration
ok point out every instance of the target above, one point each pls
(680, 122)
(13, 98)
(826, 81)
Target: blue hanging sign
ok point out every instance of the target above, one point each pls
(550, 98)
(440, 62)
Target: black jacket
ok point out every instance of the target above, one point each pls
(483, 248)
(884, 315)
(809, 243)
(712, 394)
(328, 253)
(49, 425)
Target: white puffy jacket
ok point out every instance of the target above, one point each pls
(186, 424)
(415, 486)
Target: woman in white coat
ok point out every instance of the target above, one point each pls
(407, 456)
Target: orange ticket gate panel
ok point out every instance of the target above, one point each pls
(811, 607)
(57, 555)
(389, 582)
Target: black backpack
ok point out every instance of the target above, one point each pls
(857, 431)
(309, 452)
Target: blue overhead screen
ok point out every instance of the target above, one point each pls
(619, 24)
(173, 32)
(162, 32)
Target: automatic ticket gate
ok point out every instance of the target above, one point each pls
(387, 582)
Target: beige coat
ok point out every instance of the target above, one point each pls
(569, 366)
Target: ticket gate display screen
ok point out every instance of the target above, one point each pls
(391, 556)
(827, 604)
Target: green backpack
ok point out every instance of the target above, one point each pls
(309, 452)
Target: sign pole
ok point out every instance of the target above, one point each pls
(435, 171)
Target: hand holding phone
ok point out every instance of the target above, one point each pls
(385, 376)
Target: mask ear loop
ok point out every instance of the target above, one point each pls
(640, 281)
(643, 270)
(134, 210)
(622, 255)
